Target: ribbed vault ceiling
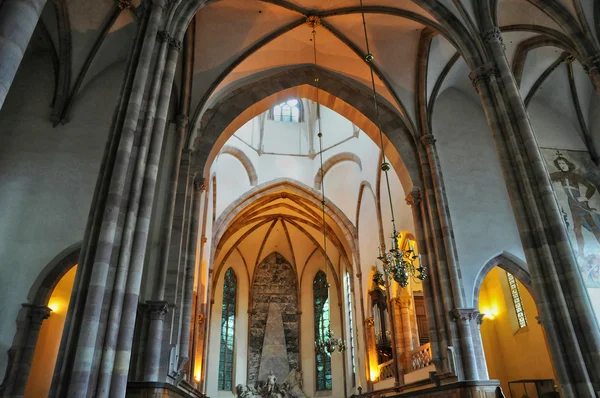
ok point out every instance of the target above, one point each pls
(283, 218)
(236, 40)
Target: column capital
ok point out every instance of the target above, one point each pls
(199, 184)
(591, 63)
(157, 309)
(124, 5)
(464, 314)
(203, 240)
(175, 44)
(370, 322)
(162, 36)
(414, 197)
(182, 120)
(37, 313)
(483, 73)
(201, 318)
(479, 318)
(403, 301)
(494, 35)
(428, 140)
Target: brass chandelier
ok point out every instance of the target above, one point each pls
(327, 344)
(397, 264)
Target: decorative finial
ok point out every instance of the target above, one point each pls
(313, 21)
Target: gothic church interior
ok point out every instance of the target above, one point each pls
(300, 198)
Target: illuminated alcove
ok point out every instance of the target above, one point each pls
(513, 340)
(46, 350)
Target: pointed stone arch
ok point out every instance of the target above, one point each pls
(332, 161)
(510, 264)
(244, 160)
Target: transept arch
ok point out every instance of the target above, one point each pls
(244, 160)
(332, 161)
(347, 98)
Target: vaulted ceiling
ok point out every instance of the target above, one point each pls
(237, 40)
(285, 218)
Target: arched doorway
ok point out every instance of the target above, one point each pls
(40, 323)
(46, 349)
(513, 339)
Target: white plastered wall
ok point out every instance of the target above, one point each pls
(47, 176)
(482, 217)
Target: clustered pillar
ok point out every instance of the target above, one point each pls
(574, 339)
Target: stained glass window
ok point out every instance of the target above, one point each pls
(322, 324)
(227, 331)
(351, 325)
(288, 111)
(516, 297)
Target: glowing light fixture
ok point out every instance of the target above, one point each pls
(399, 265)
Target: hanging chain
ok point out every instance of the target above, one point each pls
(385, 166)
(329, 343)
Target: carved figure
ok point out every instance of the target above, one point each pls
(294, 383)
(271, 382)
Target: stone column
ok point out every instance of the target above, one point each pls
(431, 290)
(463, 317)
(192, 247)
(574, 335)
(18, 19)
(21, 353)
(450, 279)
(371, 348)
(479, 352)
(156, 311)
(403, 302)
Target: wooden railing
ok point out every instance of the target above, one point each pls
(386, 370)
(421, 357)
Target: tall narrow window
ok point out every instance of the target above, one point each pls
(350, 324)
(516, 298)
(322, 322)
(227, 331)
(288, 111)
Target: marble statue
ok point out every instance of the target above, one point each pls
(271, 382)
(290, 388)
(294, 382)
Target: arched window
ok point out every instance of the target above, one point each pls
(227, 331)
(516, 298)
(322, 324)
(288, 111)
(350, 324)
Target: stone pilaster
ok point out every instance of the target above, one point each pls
(18, 19)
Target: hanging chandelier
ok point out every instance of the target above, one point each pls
(327, 344)
(399, 265)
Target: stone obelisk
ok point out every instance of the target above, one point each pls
(274, 350)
